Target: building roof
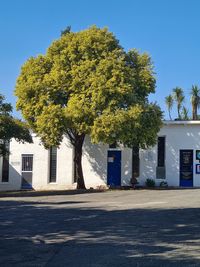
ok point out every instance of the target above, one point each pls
(191, 122)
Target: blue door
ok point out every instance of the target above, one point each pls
(186, 168)
(114, 168)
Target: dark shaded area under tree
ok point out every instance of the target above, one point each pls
(56, 234)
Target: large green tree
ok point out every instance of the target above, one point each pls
(11, 127)
(143, 83)
(87, 84)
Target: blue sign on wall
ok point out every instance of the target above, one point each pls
(197, 168)
(197, 154)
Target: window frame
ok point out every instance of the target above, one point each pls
(7, 158)
(164, 154)
(23, 156)
(50, 178)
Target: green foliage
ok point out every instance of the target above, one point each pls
(11, 127)
(179, 98)
(66, 30)
(195, 101)
(143, 76)
(150, 183)
(169, 101)
(163, 184)
(137, 125)
(184, 114)
(86, 83)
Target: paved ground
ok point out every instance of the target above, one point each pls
(117, 228)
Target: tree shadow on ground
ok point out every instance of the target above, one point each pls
(40, 234)
(32, 193)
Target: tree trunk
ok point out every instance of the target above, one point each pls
(78, 161)
(179, 115)
(135, 165)
(170, 115)
(194, 113)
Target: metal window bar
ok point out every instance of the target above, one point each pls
(53, 164)
(27, 163)
(160, 169)
(161, 152)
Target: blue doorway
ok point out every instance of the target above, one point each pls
(114, 168)
(186, 168)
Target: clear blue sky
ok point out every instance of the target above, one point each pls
(169, 30)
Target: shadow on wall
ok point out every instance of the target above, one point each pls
(39, 233)
(126, 165)
(14, 182)
(97, 156)
(173, 162)
(148, 164)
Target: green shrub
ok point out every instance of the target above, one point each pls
(163, 184)
(150, 183)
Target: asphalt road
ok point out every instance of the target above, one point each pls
(116, 228)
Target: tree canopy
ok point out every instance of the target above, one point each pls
(87, 84)
(11, 127)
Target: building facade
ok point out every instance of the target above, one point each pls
(175, 159)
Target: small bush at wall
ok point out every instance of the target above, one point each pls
(150, 183)
(163, 184)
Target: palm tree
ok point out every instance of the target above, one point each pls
(179, 98)
(169, 101)
(185, 114)
(195, 100)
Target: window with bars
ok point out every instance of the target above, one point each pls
(53, 164)
(5, 164)
(161, 151)
(160, 169)
(27, 163)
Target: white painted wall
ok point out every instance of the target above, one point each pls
(178, 136)
(94, 162)
(40, 179)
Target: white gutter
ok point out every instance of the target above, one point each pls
(191, 122)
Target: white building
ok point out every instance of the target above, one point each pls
(174, 160)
